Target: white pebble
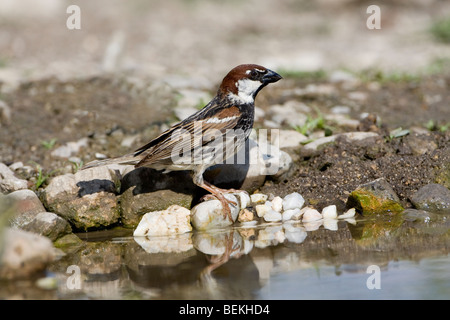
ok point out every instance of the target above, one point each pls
(292, 201)
(210, 214)
(244, 199)
(272, 216)
(292, 214)
(310, 214)
(329, 212)
(350, 213)
(258, 198)
(262, 209)
(173, 220)
(277, 204)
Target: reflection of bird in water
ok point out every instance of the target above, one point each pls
(218, 260)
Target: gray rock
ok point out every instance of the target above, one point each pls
(9, 182)
(24, 254)
(30, 216)
(144, 190)
(432, 197)
(26, 202)
(86, 199)
(420, 143)
(375, 197)
(46, 224)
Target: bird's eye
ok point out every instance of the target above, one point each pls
(253, 74)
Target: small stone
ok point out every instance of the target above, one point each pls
(292, 214)
(210, 214)
(288, 138)
(329, 212)
(258, 198)
(310, 214)
(315, 146)
(27, 202)
(350, 213)
(432, 197)
(173, 220)
(277, 204)
(69, 149)
(246, 215)
(293, 201)
(272, 216)
(375, 197)
(262, 209)
(244, 199)
(44, 223)
(16, 165)
(9, 182)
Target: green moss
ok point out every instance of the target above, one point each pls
(367, 232)
(369, 204)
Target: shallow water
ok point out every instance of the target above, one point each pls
(383, 259)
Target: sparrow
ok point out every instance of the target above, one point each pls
(209, 136)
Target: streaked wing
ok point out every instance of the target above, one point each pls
(188, 135)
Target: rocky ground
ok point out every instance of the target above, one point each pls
(345, 125)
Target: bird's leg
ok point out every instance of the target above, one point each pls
(216, 192)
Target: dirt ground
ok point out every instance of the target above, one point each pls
(407, 162)
(69, 85)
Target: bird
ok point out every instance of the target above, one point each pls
(207, 137)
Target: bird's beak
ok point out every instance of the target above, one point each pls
(270, 77)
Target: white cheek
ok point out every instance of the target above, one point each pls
(246, 90)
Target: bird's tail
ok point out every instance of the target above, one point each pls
(129, 159)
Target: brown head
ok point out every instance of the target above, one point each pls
(243, 83)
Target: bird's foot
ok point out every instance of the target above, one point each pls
(224, 201)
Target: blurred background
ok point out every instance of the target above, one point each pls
(203, 39)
